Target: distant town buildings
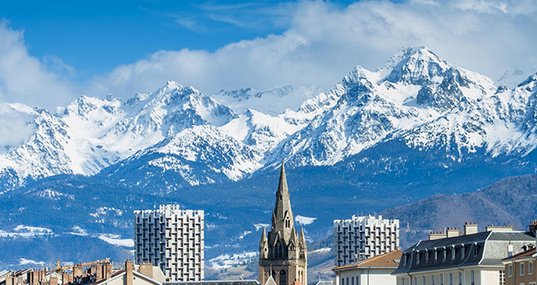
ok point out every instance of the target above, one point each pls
(374, 270)
(282, 253)
(95, 272)
(473, 258)
(173, 239)
(101, 272)
(360, 238)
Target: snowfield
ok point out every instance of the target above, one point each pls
(417, 98)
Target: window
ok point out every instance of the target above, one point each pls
(423, 280)
(522, 268)
(453, 253)
(530, 268)
(283, 277)
(502, 277)
(472, 277)
(432, 279)
(460, 278)
(450, 278)
(441, 278)
(510, 270)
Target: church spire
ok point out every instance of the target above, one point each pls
(282, 218)
(282, 185)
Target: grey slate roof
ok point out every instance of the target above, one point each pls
(468, 250)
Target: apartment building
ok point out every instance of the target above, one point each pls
(471, 258)
(363, 237)
(173, 239)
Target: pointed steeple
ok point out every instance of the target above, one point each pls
(263, 244)
(282, 186)
(282, 217)
(302, 238)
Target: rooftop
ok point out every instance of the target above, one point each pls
(387, 260)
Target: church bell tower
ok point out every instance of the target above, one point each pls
(282, 252)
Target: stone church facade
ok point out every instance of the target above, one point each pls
(282, 252)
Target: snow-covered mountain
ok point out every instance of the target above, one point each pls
(416, 98)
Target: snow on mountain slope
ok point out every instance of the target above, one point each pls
(154, 117)
(271, 102)
(198, 155)
(417, 97)
(260, 131)
(93, 133)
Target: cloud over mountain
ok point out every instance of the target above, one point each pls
(324, 40)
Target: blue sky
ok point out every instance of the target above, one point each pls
(95, 36)
(54, 51)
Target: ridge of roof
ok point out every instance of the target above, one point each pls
(375, 261)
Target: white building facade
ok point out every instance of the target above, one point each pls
(173, 239)
(363, 237)
(474, 258)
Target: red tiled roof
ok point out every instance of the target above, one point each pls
(390, 260)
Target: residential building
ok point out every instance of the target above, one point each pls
(520, 268)
(146, 274)
(282, 253)
(376, 270)
(361, 238)
(94, 272)
(173, 239)
(215, 282)
(473, 258)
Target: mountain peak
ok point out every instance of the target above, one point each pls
(415, 65)
(530, 83)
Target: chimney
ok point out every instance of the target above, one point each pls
(107, 270)
(470, 228)
(53, 280)
(510, 250)
(146, 269)
(452, 232)
(129, 273)
(491, 228)
(10, 279)
(65, 278)
(77, 271)
(436, 235)
(533, 227)
(99, 268)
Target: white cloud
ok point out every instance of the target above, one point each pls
(16, 125)
(324, 41)
(26, 79)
